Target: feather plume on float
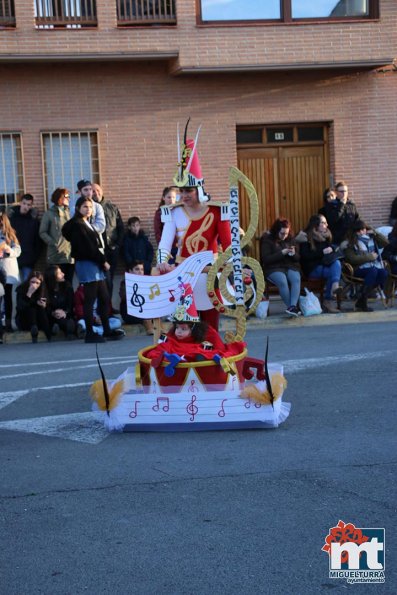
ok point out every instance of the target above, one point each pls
(259, 392)
(267, 391)
(98, 394)
(107, 413)
(106, 400)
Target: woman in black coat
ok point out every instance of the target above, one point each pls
(89, 254)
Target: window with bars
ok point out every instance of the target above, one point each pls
(7, 13)
(11, 168)
(144, 12)
(72, 14)
(67, 158)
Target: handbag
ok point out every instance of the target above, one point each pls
(309, 304)
(262, 309)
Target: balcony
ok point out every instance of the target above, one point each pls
(7, 13)
(145, 12)
(70, 14)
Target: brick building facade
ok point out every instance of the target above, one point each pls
(296, 105)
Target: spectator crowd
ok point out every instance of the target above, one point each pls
(85, 236)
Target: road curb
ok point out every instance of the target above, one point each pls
(279, 320)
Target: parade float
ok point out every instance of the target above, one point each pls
(210, 385)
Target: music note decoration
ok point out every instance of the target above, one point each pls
(165, 407)
(154, 290)
(134, 412)
(192, 409)
(137, 299)
(172, 298)
(222, 411)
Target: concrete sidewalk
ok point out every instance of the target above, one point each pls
(277, 319)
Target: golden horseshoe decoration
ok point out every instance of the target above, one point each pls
(223, 266)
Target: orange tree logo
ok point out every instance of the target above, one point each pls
(343, 533)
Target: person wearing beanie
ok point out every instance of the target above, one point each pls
(85, 189)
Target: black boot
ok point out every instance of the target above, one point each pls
(361, 304)
(34, 331)
(9, 328)
(94, 338)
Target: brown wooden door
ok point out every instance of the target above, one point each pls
(289, 182)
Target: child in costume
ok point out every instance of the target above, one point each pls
(190, 339)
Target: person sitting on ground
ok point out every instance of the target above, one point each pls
(340, 214)
(319, 260)
(59, 302)
(97, 327)
(280, 263)
(362, 253)
(137, 246)
(24, 219)
(31, 312)
(136, 268)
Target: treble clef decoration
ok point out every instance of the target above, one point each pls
(232, 261)
(137, 299)
(191, 408)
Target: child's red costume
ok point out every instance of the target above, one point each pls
(190, 350)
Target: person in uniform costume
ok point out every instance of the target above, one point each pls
(197, 223)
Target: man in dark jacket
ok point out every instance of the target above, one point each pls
(113, 234)
(137, 245)
(341, 213)
(24, 220)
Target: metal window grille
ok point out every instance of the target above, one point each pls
(141, 12)
(7, 13)
(65, 13)
(11, 168)
(67, 158)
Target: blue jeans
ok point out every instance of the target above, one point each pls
(288, 284)
(372, 276)
(114, 323)
(331, 273)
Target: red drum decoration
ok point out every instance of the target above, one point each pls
(206, 372)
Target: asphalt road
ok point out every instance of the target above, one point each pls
(84, 511)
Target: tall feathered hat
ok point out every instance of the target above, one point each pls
(189, 173)
(186, 310)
